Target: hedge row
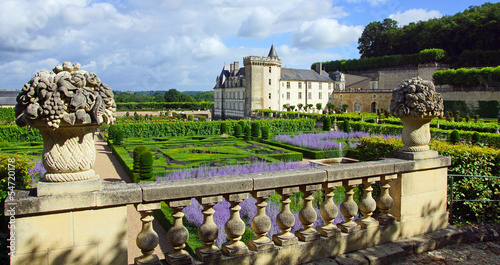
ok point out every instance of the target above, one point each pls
(145, 130)
(163, 105)
(14, 133)
(124, 159)
(424, 56)
(467, 77)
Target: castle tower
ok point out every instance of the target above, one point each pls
(263, 76)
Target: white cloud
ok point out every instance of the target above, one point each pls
(258, 24)
(325, 33)
(414, 15)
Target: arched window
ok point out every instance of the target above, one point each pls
(357, 106)
(374, 107)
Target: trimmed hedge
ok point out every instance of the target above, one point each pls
(164, 129)
(14, 133)
(146, 162)
(163, 105)
(467, 77)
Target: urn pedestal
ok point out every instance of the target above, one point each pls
(68, 156)
(416, 137)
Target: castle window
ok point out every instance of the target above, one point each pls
(320, 95)
(269, 95)
(320, 86)
(300, 95)
(329, 86)
(288, 85)
(357, 106)
(300, 85)
(337, 86)
(287, 95)
(309, 85)
(309, 95)
(269, 69)
(269, 81)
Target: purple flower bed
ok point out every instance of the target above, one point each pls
(36, 172)
(325, 140)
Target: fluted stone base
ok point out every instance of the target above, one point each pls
(307, 236)
(285, 240)
(235, 250)
(329, 231)
(349, 227)
(63, 188)
(208, 255)
(149, 260)
(260, 245)
(367, 223)
(178, 259)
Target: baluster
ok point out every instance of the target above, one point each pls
(367, 205)
(385, 201)
(208, 231)
(285, 219)
(147, 239)
(348, 207)
(308, 215)
(261, 223)
(329, 212)
(235, 227)
(178, 235)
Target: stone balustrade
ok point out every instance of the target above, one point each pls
(91, 227)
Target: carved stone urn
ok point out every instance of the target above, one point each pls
(416, 102)
(66, 105)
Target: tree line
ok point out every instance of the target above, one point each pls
(476, 28)
(171, 95)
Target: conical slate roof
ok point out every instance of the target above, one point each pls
(272, 53)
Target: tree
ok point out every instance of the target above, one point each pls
(319, 106)
(172, 95)
(378, 38)
(344, 107)
(299, 106)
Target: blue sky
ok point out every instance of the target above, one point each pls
(137, 45)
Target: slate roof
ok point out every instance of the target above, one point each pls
(304, 75)
(272, 53)
(8, 97)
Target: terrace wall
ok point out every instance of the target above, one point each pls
(91, 228)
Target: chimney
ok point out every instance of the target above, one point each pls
(236, 66)
(319, 67)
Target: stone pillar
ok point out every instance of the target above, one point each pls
(385, 201)
(178, 235)
(147, 239)
(367, 205)
(235, 227)
(348, 207)
(208, 231)
(329, 212)
(285, 219)
(261, 223)
(308, 215)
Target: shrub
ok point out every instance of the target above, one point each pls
(346, 127)
(375, 148)
(476, 138)
(138, 150)
(247, 132)
(265, 132)
(454, 137)
(237, 131)
(146, 162)
(327, 123)
(119, 137)
(190, 117)
(255, 129)
(202, 118)
(223, 128)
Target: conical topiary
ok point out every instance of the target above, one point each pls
(327, 123)
(255, 129)
(237, 130)
(247, 133)
(146, 166)
(223, 128)
(138, 150)
(265, 132)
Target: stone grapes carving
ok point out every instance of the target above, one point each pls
(416, 98)
(65, 95)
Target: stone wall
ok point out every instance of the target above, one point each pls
(472, 97)
(365, 99)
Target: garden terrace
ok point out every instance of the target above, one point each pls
(91, 227)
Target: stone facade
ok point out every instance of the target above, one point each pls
(264, 84)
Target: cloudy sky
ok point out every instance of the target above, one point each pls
(137, 45)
